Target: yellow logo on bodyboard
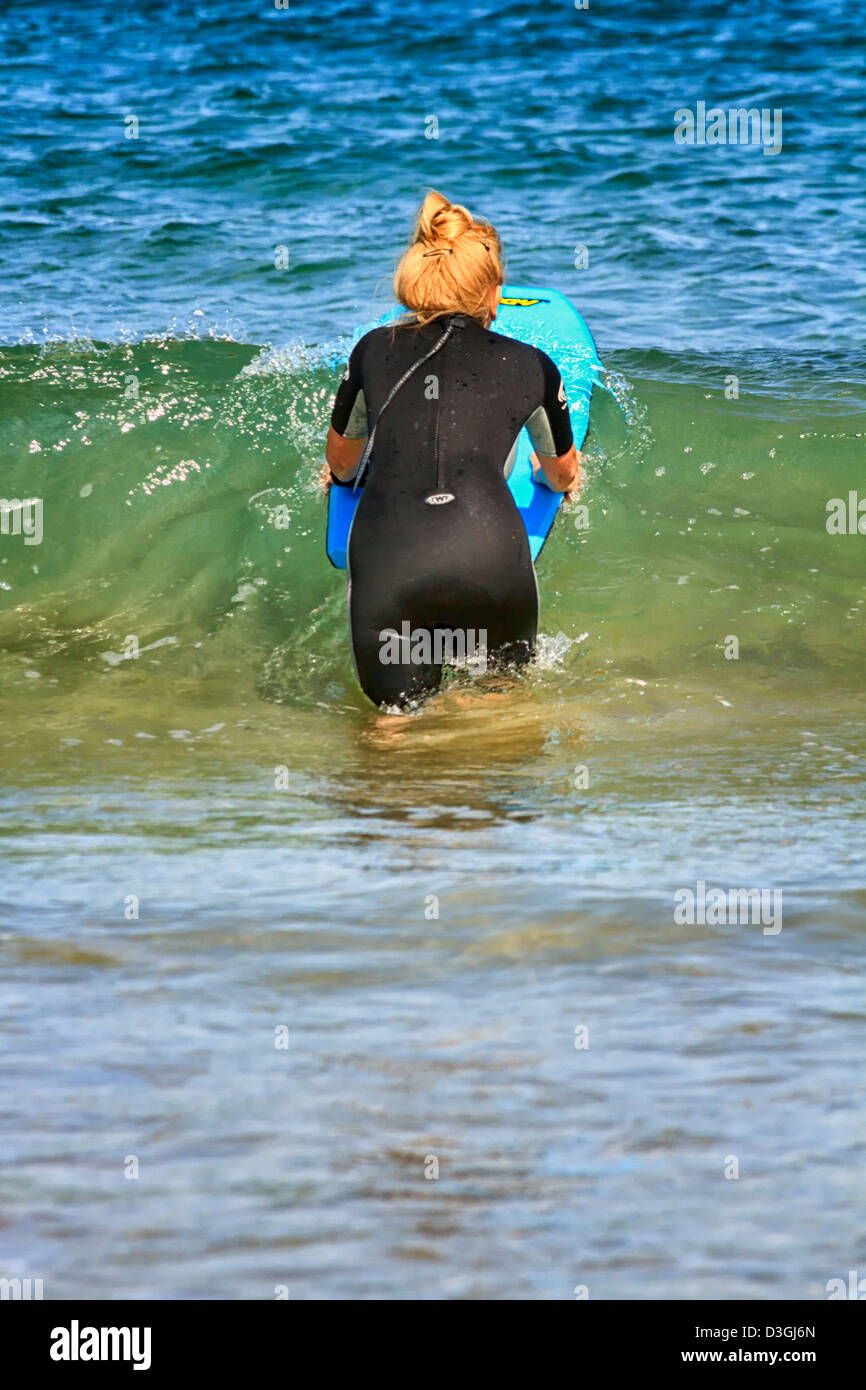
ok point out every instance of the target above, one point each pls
(523, 303)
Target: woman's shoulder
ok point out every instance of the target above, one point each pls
(371, 338)
(378, 339)
(524, 353)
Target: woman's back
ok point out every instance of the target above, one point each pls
(452, 426)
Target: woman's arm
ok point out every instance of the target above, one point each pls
(343, 455)
(549, 427)
(347, 433)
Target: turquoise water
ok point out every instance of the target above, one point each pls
(209, 835)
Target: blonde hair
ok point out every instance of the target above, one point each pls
(452, 264)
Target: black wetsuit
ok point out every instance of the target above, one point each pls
(450, 432)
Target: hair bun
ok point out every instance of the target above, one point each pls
(441, 222)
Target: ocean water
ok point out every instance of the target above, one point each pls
(266, 955)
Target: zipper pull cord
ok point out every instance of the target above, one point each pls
(368, 447)
(439, 485)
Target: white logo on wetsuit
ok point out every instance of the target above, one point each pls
(438, 499)
(560, 396)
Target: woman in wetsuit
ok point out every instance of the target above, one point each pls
(437, 543)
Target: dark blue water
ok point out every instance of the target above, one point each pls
(307, 129)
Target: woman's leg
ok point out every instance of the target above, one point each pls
(386, 673)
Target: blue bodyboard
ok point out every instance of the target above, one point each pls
(547, 320)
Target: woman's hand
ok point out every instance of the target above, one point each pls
(580, 481)
(561, 474)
